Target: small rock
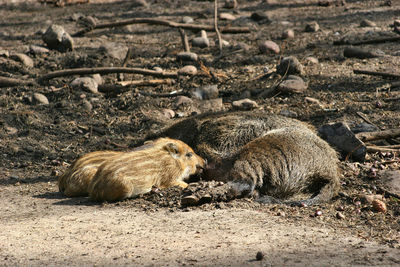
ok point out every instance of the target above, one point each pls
(288, 34)
(168, 113)
(259, 256)
(260, 17)
(38, 50)
(312, 60)
(340, 215)
(57, 38)
(289, 65)
(243, 46)
(187, 56)
(230, 4)
(353, 52)
(10, 131)
(183, 100)
(202, 41)
(97, 77)
(312, 101)
(224, 43)
(4, 53)
(391, 181)
(318, 213)
(24, 59)
(340, 136)
(293, 84)
(85, 83)
(312, 27)
(269, 46)
(379, 206)
(189, 201)
(114, 50)
(187, 70)
(226, 16)
(87, 105)
(206, 92)
(40, 99)
(187, 20)
(367, 23)
(368, 198)
(244, 104)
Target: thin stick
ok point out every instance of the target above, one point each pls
(7, 82)
(146, 82)
(374, 149)
(185, 41)
(371, 136)
(163, 22)
(375, 73)
(106, 70)
(216, 26)
(127, 57)
(372, 41)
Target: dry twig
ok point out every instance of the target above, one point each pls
(185, 41)
(216, 26)
(371, 136)
(7, 82)
(196, 27)
(376, 73)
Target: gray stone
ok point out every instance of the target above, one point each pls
(187, 19)
(57, 38)
(24, 59)
(244, 104)
(289, 65)
(114, 50)
(269, 46)
(206, 92)
(39, 98)
(187, 56)
(187, 70)
(292, 84)
(226, 16)
(288, 34)
(85, 83)
(38, 50)
(311, 60)
(202, 41)
(340, 136)
(312, 27)
(367, 23)
(391, 181)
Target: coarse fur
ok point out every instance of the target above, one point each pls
(75, 180)
(282, 163)
(164, 163)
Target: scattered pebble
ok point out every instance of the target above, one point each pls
(87, 105)
(39, 98)
(318, 213)
(226, 16)
(259, 256)
(367, 23)
(288, 34)
(379, 206)
(38, 50)
(289, 65)
(24, 59)
(244, 104)
(269, 46)
(57, 38)
(187, 20)
(292, 84)
(187, 70)
(312, 60)
(85, 83)
(340, 216)
(201, 42)
(312, 27)
(189, 201)
(312, 100)
(187, 56)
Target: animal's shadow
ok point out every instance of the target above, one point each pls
(67, 201)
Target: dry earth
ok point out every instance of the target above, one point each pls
(39, 226)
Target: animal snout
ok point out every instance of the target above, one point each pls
(201, 166)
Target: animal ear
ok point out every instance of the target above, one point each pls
(172, 148)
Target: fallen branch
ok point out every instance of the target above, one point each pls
(371, 41)
(163, 22)
(7, 82)
(371, 136)
(106, 70)
(375, 73)
(216, 26)
(146, 82)
(374, 149)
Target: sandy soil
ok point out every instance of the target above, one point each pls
(40, 226)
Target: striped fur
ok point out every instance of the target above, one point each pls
(164, 164)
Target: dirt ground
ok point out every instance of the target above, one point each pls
(40, 226)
